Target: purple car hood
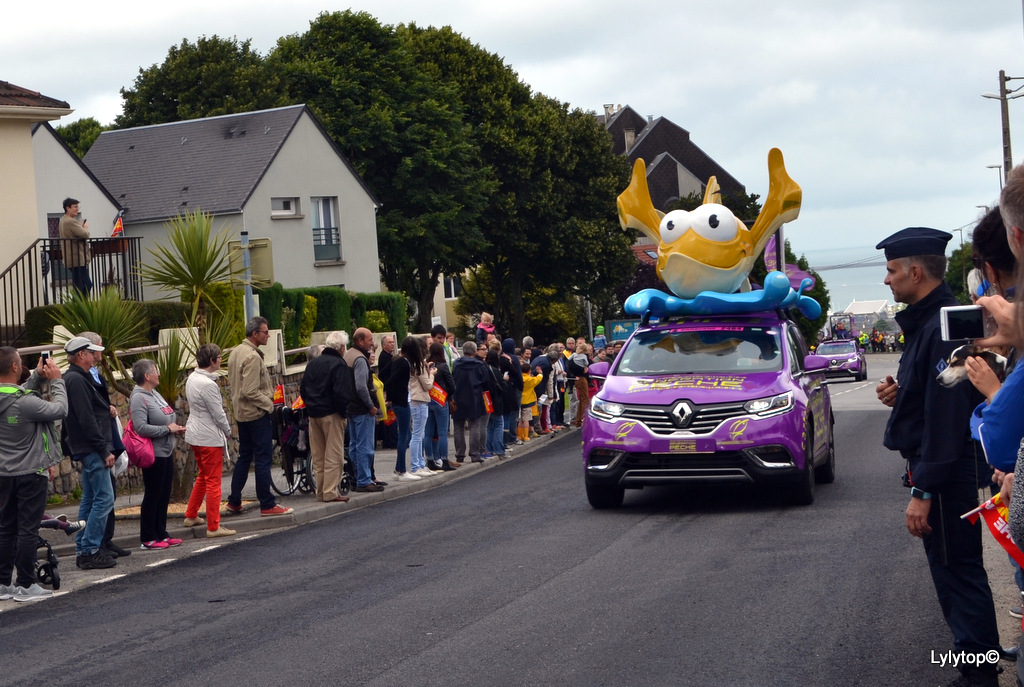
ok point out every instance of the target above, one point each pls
(700, 388)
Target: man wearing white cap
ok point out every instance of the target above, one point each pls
(88, 429)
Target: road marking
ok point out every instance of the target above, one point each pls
(207, 548)
(104, 580)
(163, 562)
(248, 536)
(846, 391)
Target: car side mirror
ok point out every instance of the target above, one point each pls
(814, 363)
(599, 370)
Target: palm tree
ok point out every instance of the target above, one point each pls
(192, 260)
(120, 323)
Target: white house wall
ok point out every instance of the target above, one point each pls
(688, 183)
(306, 167)
(17, 188)
(58, 176)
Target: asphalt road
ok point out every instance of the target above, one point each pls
(509, 578)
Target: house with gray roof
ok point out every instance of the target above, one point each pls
(273, 173)
(676, 167)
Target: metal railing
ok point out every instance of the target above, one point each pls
(39, 277)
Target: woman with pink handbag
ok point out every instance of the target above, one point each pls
(154, 417)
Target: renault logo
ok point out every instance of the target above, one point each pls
(681, 414)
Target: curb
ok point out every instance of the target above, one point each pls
(310, 510)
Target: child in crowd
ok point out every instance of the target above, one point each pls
(529, 402)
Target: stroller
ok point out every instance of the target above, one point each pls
(46, 565)
(296, 469)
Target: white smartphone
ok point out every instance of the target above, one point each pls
(965, 322)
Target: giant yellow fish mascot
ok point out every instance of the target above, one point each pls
(705, 255)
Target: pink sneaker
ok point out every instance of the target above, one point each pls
(171, 541)
(155, 545)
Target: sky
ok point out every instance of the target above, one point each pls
(876, 105)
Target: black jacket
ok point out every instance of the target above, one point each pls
(88, 421)
(929, 424)
(326, 386)
(470, 375)
(396, 384)
(443, 378)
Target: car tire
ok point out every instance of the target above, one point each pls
(863, 371)
(801, 493)
(604, 496)
(826, 473)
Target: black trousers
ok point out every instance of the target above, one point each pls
(157, 480)
(955, 559)
(22, 502)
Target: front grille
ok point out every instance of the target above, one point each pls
(704, 420)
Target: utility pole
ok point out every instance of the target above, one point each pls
(1004, 109)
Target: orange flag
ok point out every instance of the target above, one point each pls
(118, 227)
(996, 517)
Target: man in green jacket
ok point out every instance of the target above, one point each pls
(29, 448)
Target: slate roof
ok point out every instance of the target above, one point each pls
(213, 164)
(16, 96)
(657, 139)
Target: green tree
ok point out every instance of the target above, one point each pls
(81, 134)
(190, 264)
(403, 129)
(957, 269)
(213, 76)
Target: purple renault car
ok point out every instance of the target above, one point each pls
(710, 399)
(845, 359)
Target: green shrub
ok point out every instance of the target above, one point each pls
(271, 304)
(377, 321)
(309, 308)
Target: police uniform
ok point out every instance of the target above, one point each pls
(930, 426)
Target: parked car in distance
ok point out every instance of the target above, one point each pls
(734, 399)
(845, 359)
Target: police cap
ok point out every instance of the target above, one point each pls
(914, 241)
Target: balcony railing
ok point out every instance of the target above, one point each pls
(39, 277)
(326, 243)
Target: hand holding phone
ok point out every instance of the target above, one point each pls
(965, 323)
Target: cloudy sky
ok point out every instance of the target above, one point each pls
(876, 105)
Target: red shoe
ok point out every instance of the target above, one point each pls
(171, 541)
(232, 510)
(155, 545)
(276, 510)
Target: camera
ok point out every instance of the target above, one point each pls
(965, 322)
(45, 355)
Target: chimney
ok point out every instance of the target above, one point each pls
(609, 110)
(630, 137)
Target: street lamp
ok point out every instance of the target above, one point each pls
(999, 171)
(1004, 111)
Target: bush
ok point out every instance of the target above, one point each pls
(377, 321)
(309, 308)
(159, 315)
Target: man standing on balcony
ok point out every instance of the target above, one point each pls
(75, 246)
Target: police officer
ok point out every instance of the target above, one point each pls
(930, 426)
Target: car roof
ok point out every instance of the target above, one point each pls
(757, 319)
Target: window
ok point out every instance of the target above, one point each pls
(284, 207)
(452, 287)
(326, 233)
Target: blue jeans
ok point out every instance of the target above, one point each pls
(255, 444)
(495, 441)
(401, 424)
(418, 412)
(437, 424)
(360, 446)
(97, 502)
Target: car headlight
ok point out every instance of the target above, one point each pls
(606, 409)
(774, 405)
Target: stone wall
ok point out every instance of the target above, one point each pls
(68, 483)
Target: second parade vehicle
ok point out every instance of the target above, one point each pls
(730, 398)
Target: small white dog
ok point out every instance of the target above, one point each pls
(956, 371)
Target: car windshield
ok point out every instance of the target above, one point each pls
(836, 348)
(715, 348)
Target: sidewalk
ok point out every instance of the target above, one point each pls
(307, 508)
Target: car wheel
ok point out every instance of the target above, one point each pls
(863, 371)
(802, 491)
(826, 473)
(603, 496)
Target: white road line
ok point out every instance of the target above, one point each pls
(157, 563)
(207, 548)
(248, 536)
(104, 580)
